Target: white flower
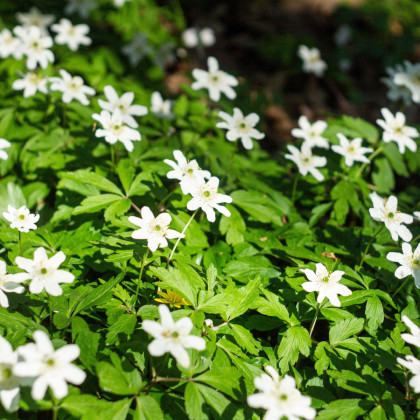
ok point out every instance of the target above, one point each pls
(10, 45)
(21, 218)
(8, 284)
(82, 7)
(385, 210)
(43, 272)
(410, 79)
(119, 3)
(240, 127)
(50, 368)
(123, 104)
(311, 133)
(155, 230)
(9, 383)
(397, 92)
(417, 215)
(189, 173)
(280, 397)
(35, 18)
(172, 337)
(137, 49)
(193, 37)
(114, 129)
(31, 83)
(396, 130)
(413, 364)
(343, 35)
(352, 150)
(215, 80)
(164, 55)
(414, 337)
(327, 284)
(306, 161)
(312, 62)
(4, 144)
(206, 197)
(72, 87)
(71, 35)
(161, 108)
(35, 45)
(409, 263)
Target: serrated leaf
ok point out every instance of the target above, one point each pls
(345, 329)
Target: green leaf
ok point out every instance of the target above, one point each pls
(374, 313)
(242, 299)
(112, 380)
(224, 379)
(95, 203)
(271, 306)
(233, 227)
(193, 402)
(125, 325)
(344, 329)
(348, 409)
(296, 341)
(147, 409)
(245, 339)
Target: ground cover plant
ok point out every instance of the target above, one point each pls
(158, 261)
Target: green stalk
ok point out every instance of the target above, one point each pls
(141, 273)
(311, 329)
(371, 157)
(20, 243)
(368, 246)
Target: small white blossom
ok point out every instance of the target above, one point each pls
(215, 80)
(155, 230)
(81, 7)
(9, 383)
(397, 92)
(35, 18)
(312, 62)
(396, 130)
(417, 215)
(165, 55)
(161, 108)
(343, 35)
(71, 35)
(414, 337)
(410, 79)
(137, 49)
(10, 45)
(43, 272)
(385, 210)
(172, 337)
(50, 368)
(306, 161)
(120, 3)
(8, 284)
(409, 262)
(311, 133)
(123, 104)
(326, 283)
(35, 45)
(21, 218)
(412, 364)
(114, 129)
(280, 397)
(73, 87)
(352, 150)
(31, 83)
(240, 127)
(206, 197)
(193, 37)
(189, 173)
(4, 144)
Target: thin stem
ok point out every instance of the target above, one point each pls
(401, 286)
(371, 157)
(55, 413)
(141, 273)
(368, 246)
(164, 199)
(20, 243)
(311, 329)
(294, 188)
(137, 208)
(113, 157)
(51, 313)
(177, 242)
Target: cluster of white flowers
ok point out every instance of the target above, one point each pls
(403, 82)
(193, 181)
(37, 365)
(194, 37)
(410, 362)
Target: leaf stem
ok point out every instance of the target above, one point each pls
(113, 157)
(141, 274)
(368, 246)
(311, 329)
(401, 286)
(20, 243)
(177, 242)
(371, 157)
